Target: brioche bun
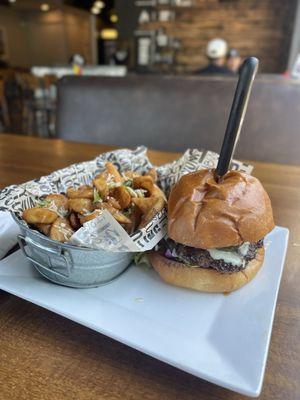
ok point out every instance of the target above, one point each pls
(203, 213)
(204, 279)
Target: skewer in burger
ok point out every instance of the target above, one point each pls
(216, 231)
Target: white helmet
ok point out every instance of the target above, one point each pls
(216, 48)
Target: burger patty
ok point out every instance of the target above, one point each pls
(202, 258)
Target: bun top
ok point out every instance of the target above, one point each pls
(205, 214)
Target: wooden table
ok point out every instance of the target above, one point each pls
(45, 356)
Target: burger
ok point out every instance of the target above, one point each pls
(216, 231)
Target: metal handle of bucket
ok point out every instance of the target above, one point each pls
(22, 240)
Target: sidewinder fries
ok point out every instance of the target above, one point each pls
(85, 218)
(61, 230)
(57, 201)
(121, 194)
(132, 199)
(101, 186)
(81, 206)
(44, 228)
(74, 221)
(39, 215)
(157, 206)
(112, 170)
(83, 192)
(113, 202)
(153, 174)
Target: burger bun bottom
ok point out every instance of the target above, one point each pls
(203, 279)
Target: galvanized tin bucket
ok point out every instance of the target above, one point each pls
(71, 265)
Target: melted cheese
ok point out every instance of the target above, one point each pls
(244, 248)
(232, 257)
(229, 257)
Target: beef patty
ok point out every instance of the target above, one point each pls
(202, 258)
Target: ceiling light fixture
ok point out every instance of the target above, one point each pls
(11, 1)
(45, 7)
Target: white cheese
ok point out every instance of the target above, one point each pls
(228, 256)
(244, 248)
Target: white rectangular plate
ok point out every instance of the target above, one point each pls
(222, 339)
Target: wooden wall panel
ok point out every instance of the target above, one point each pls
(261, 28)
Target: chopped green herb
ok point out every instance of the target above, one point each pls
(97, 197)
(62, 211)
(43, 203)
(128, 212)
(142, 260)
(128, 183)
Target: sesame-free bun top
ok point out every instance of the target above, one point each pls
(203, 213)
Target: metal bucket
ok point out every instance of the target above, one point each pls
(71, 265)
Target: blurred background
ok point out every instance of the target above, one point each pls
(152, 66)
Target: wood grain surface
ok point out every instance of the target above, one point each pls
(45, 356)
